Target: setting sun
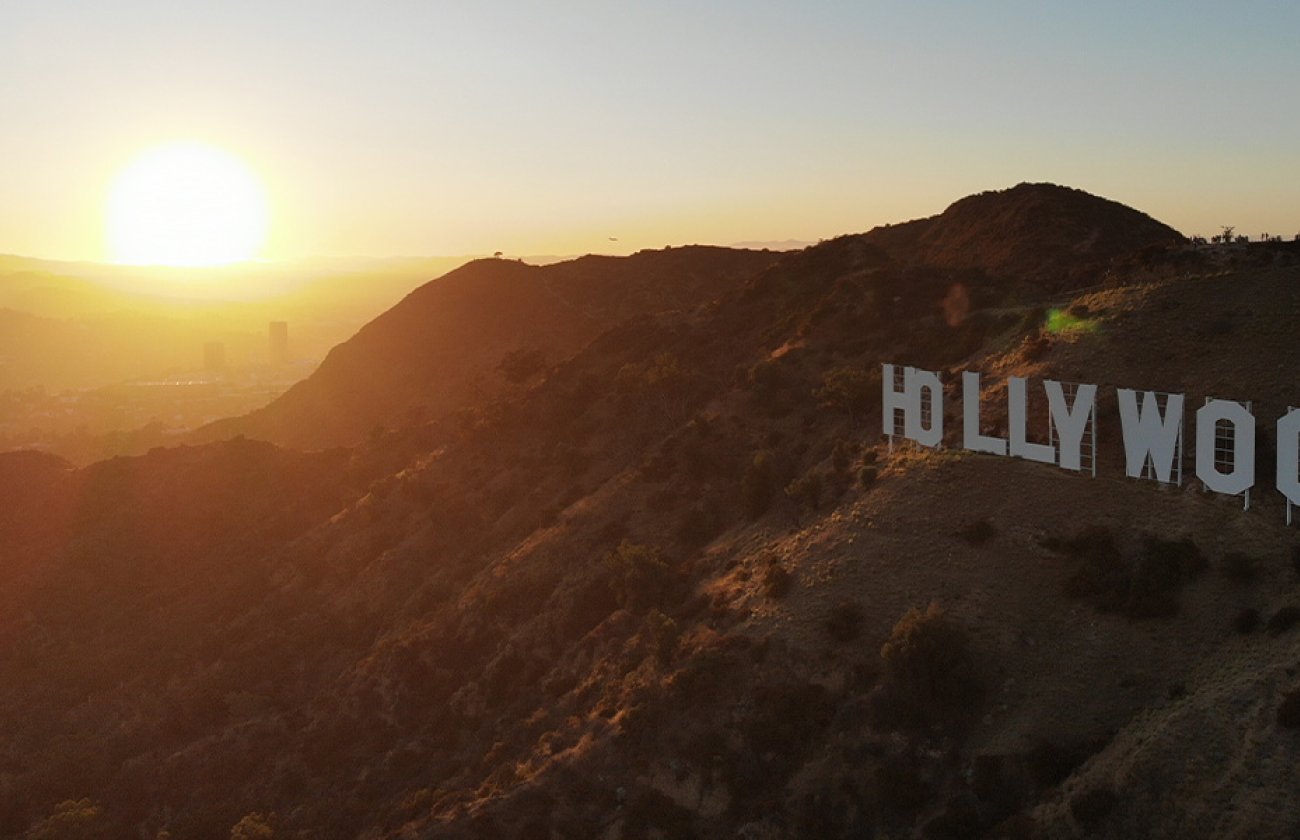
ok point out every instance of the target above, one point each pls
(186, 203)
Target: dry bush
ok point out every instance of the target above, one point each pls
(977, 533)
(931, 681)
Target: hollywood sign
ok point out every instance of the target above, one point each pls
(1153, 425)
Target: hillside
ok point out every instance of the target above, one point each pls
(676, 586)
(442, 348)
(1056, 237)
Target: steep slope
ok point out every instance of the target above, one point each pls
(440, 348)
(666, 592)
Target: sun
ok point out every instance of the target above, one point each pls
(186, 203)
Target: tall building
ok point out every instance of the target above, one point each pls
(279, 335)
(214, 357)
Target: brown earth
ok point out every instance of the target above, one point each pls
(676, 586)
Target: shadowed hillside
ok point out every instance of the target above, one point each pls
(674, 586)
(446, 346)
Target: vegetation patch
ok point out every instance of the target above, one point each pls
(1144, 585)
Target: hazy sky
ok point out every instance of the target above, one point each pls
(425, 127)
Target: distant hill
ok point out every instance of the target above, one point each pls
(773, 245)
(441, 348)
(1054, 236)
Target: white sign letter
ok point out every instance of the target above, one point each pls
(890, 400)
(1017, 411)
(1288, 456)
(970, 416)
(1071, 422)
(1147, 434)
(918, 381)
(1243, 447)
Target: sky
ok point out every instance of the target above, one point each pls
(404, 128)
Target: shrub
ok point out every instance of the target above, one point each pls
(664, 636)
(70, 820)
(847, 389)
(756, 486)
(1092, 806)
(520, 365)
(806, 491)
(1283, 620)
(1238, 566)
(931, 679)
(700, 524)
(1142, 587)
(639, 574)
(1036, 346)
(255, 826)
(649, 810)
(844, 623)
(867, 477)
(977, 533)
(1247, 621)
(777, 581)
(1288, 713)
(1017, 827)
(959, 819)
(900, 782)
(840, 455)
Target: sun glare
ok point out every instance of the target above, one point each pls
(186, 203)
